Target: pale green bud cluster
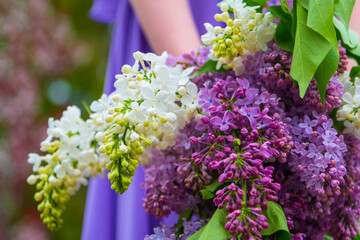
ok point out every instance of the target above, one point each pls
(51, 199)
(246, 33)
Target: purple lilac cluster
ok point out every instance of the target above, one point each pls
(242, 136)
(166, 233)
(162, 233)
(170, 179)
(317, 169)
(194, 59)
(271, 70)
(262, 142)
(316, 176)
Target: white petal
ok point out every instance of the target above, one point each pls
(148, 93)
(191, 89)
(161, 95)
(160, 107)
(187, 100)
(347, 97)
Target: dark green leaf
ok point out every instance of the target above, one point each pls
(343, 10)
(355, 72)
(325, 71)
(310, 50)
(214, 229)
(206, 194)
(213, 186)
(337, 125)
(294, 19)
(282, 235)
(320, 19)
(283, 34)
(277, 221)
(209, 66)
(348, 38)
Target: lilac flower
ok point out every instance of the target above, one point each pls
(308, 124)
(162, 233)
(315, 152)
(225, 123)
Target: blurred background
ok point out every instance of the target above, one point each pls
(51, 55)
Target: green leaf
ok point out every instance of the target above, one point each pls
(328, 237)
(294, 19)
(282, 235)
(325, 71)
(320, 19)
(283, 31)
(206, 194)
(283, 36)
(252, 3)
(209, 66)
(277, 221)
(310, 50)
(214, 229)
(285, 7)
(348, 38)
(337, 125)
(304, 3)
(354, 54)
(213, 186)
(343, 10)
(355, 72)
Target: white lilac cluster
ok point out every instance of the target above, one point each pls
(246, 33)
(350, 107)
(151, 102)
(70, 159)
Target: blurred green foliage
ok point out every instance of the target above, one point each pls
(87, 79)
(86, 83)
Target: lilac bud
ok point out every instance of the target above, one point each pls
(194, 140)
(204, 119)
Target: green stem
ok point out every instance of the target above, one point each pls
(127, 126)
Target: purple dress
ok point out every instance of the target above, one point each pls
(111, 216)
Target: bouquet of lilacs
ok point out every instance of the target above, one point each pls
(255, 136)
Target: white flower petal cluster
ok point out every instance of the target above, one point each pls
(151, 102)
(147, 97)
(246, 33)
(349, 111)
(70, 155)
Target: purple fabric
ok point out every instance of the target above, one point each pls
(110, 216)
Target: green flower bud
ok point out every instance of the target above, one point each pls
(38, 196)
(124, 163)
(108, 166)
(147, 141)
